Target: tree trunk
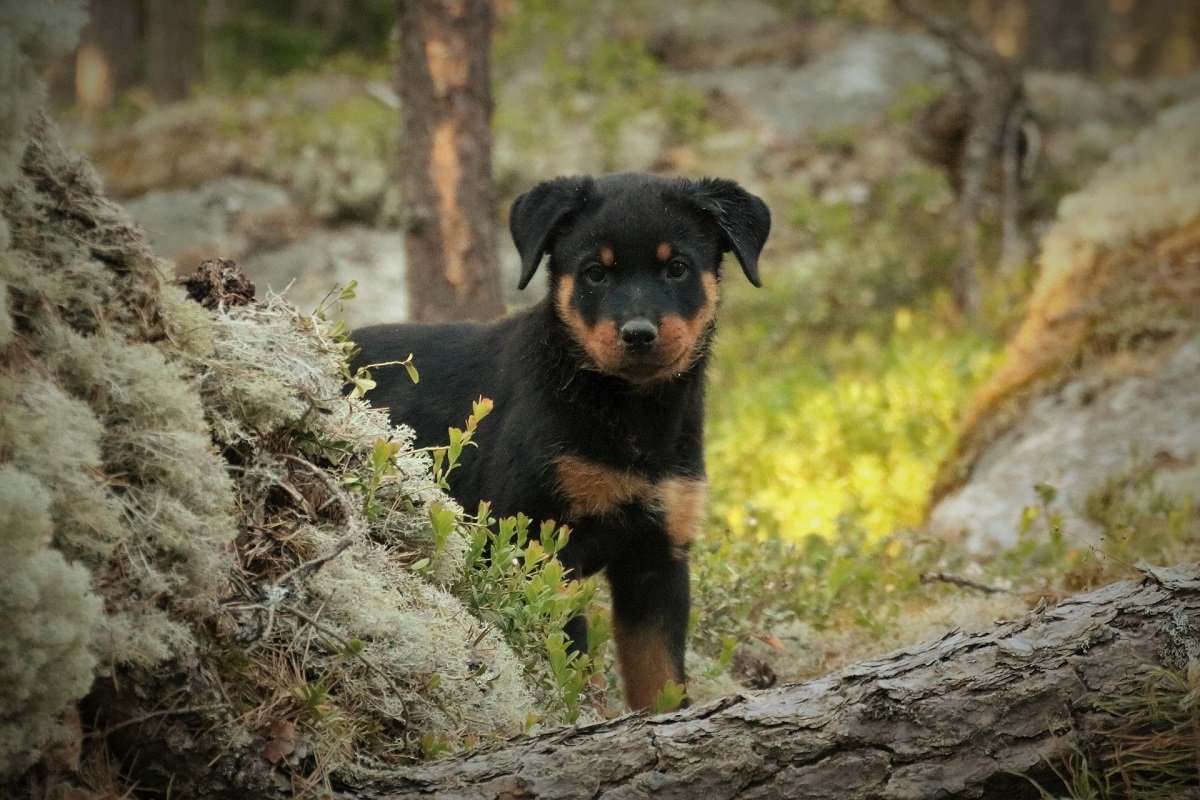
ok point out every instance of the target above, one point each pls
(1064, 35)
(976, 127)
(106, 59)
(173, 39)
(969, 716)
(446, 159)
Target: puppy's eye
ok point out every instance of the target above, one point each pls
(595, 274)
(677, 269)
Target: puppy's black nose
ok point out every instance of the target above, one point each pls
(639, 332)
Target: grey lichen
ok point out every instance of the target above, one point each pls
(47, 611)
(183, 479)
(182, 497)
(47, 614)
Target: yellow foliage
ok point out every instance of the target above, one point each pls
(851, 441)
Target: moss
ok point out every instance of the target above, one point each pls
(47, 611)
(458, 676)
(262, 376)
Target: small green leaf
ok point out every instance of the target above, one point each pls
(1046, 493)
(362, 383)
(456, 445)
(442, 519)
(382, 453)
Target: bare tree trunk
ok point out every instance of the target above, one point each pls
(982, 122)
(968, 716)
(106, 59)
(1064, 35)
(446, 159)
(173, 38)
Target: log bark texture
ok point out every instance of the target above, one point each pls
(967, 716)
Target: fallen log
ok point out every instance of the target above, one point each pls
(967, 716)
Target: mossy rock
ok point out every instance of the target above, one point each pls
(1115, 300)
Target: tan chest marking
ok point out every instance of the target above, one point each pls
(593, 489)
(683, 501)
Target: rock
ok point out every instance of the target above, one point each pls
(257, 225)
(1077, 440)
(852, 85)
(308, 270)
(1099, 382)
(228, 217)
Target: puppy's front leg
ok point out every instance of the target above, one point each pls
(650, 618)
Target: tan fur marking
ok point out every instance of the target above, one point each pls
(682, 501)
(663, 253)
(562, 298)
(680, 336)
(607, 256)
(602, 342)
(645, 664)
(593, 488)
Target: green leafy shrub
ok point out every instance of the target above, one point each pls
(252, 41)
(515, 583)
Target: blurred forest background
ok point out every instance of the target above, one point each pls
(268, 132)
(893, 452)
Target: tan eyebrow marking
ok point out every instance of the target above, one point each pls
(663, 252)
(607, 256)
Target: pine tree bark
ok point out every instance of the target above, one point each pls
(105, 63)
(1064, 35)
(446, 159)
(968, 716)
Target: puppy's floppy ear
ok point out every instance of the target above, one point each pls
(743, 218)
(536, 214)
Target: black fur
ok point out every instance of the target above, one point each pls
(570, 404)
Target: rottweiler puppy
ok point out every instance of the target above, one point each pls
(599, 389)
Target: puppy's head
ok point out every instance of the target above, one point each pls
(635, 263)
